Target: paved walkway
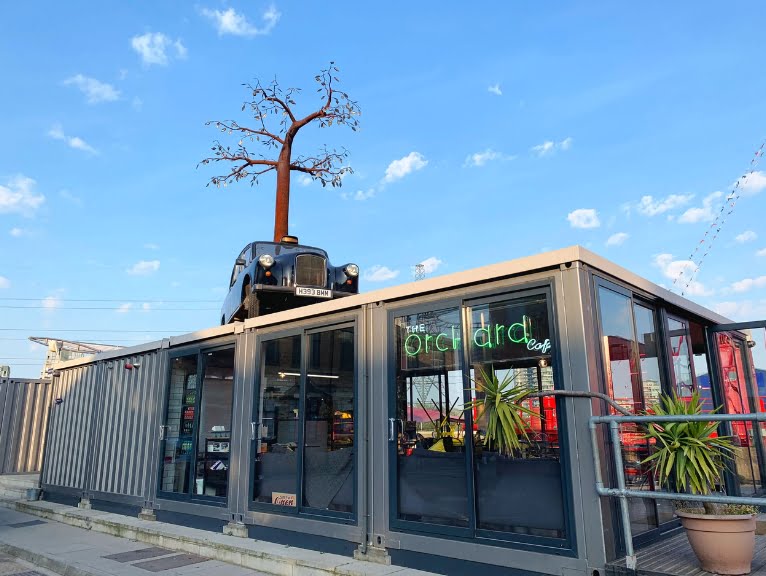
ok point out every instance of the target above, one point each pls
(77, 552)
(66, 539)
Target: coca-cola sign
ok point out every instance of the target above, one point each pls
(282, 499)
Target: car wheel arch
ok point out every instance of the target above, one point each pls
(245, 285)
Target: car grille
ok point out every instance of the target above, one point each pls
(310, 270)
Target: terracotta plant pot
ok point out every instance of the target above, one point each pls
(723, 544)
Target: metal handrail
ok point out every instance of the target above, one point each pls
(624, 493)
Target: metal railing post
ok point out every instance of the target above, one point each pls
(630, 556)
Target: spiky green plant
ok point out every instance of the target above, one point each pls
(689, 453)
(502, 405)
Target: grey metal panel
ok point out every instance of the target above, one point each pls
(70, 428)
(125, 430)
(23, 420)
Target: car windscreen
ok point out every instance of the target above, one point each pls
(276, 249)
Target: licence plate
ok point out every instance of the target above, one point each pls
(313, 292)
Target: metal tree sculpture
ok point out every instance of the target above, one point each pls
(267, 101)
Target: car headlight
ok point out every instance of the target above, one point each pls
(351, 270)
(266, 260)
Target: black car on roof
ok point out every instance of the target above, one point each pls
(273, 276)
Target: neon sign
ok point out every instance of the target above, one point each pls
(490, 336)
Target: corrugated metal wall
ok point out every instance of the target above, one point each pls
(23, 422)
(67, 454)
(127, 429)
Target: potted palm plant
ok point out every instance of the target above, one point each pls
(691, 458)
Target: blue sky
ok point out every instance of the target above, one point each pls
(487, 133)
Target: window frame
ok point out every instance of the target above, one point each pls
(566, 546)
(200, 352)
(299, 510)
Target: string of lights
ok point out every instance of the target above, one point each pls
(720, 219)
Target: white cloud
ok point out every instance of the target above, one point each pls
(682, 270)
(124, 308)
(746, 236)
(69, 197)
(545, 148)
(231, 22)
(495, 89)
(380, 273)
(549, 146)
(617, 239)
(80, 144)
(741, 310)
(146, 306)
(362, 195)
(703, 213)
(16, 232)
(305, 180)
(584, 218)
(761, 252)
(481, 158)
(400, 168)
(51, 302)
(431, 264)
(18, 196)
(648, 206)
(748, 284)
(154, 48)
(752, 183)
(137, 104)
(94, 90)
(144, 267)
(151, 246)
(57, 133)
(4, 282)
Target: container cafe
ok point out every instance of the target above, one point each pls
(347, 425)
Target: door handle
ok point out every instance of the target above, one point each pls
(252, 430)
(162, 432)
(391, 429)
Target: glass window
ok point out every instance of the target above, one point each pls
(429, 422)
(518, 491)
(307, 415)
(684, 383)
(328, 461)
(624, 368)
(195, 452)
(179, 425)
(214, 431)
(276, 469)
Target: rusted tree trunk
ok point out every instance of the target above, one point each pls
(326, 166)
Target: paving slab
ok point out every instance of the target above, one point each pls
(95, 535)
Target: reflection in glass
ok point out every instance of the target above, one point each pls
(276, 469)
(328, 460)
(214, 432)
(684, 382)
(519, 492)
(623, 383)
(178, 448)
(429, 426)
(651, 386)
(740, 397)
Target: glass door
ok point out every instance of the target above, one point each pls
(304, 437)
(196, 435)
(178, 432)
(740, 396)
(427, 434)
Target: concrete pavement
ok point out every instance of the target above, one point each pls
(57, 548)
(77, 542)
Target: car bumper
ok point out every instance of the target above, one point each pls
(287, 290)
